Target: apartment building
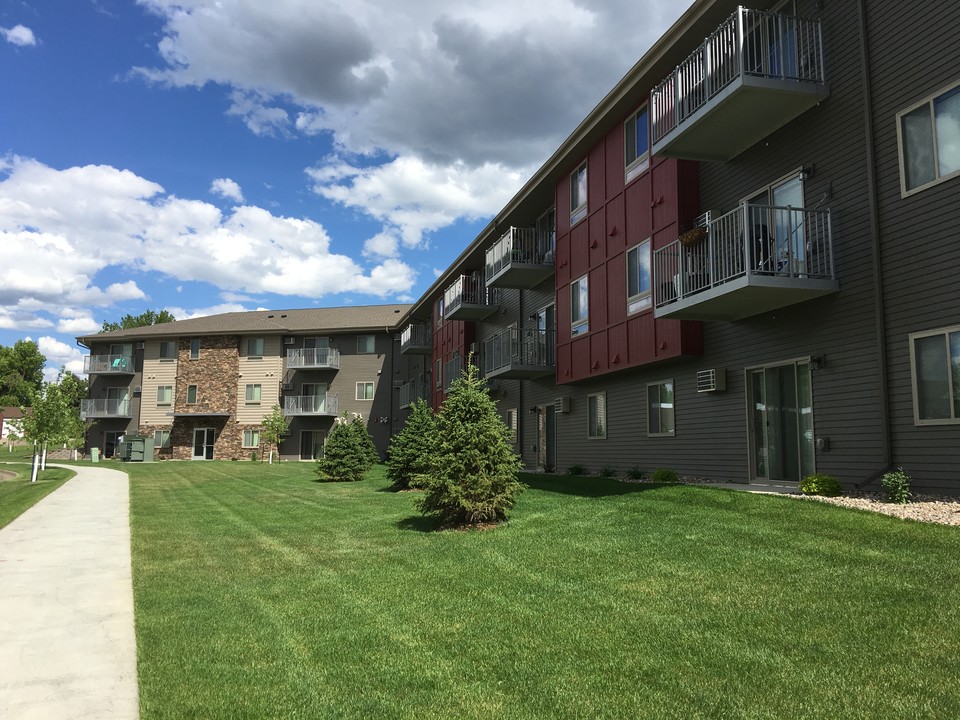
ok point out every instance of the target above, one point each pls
(742, 264)
(202, 387)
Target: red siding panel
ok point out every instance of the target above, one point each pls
(616, 228)
(598, 238)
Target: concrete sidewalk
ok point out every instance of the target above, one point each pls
(67, 645)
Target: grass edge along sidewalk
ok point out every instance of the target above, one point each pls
(18, 494)
(260, 593)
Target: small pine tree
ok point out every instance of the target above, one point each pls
(344, 459)
(411, 450)
(473, 475)
(365, 440)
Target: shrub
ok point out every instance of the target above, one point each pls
(364, 440)
(411, 450)
(473, 471)
(608, 471)
(577, 470)
(821, 484)
(635, 473)
(896, 486)
(664, 475)
(344, 457)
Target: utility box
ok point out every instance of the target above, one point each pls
(94, 455)
(136, 448)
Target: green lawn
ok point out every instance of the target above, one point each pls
(261, 594)
(19, 494)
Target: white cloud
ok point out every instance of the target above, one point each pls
(59, 354)
(227, 188)
(259, 118)
(19, 35)
(77, 323)
(62, 229)
(183, 314)
(383, 244)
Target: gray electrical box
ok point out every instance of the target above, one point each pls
(136, 448)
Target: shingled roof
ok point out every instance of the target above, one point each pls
(340, 319)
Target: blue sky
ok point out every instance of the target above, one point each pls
(207, 156)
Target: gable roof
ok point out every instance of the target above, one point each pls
(268, 322)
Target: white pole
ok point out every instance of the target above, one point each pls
(33, 470)
(270, 462)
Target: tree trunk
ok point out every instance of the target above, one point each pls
(43, 460)
(33, 470)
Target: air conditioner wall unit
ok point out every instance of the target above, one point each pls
(561, 405)
(289, 340)
(140, 345)
(712, 380)
(287, 386)
(398, 383)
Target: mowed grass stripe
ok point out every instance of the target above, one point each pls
(262, 594)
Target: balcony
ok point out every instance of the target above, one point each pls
(108, 365)
(469, 299)
(313, 359)
(451, 371)
(521, 258)
(752, 260)
(411, 391)
(519, 353)
(109, 408)
(416, 340)
(752, 75)
(312, 405)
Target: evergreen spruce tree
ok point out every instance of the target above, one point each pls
(365, 440)
(344, 459)
(473, 475)
(411, 450)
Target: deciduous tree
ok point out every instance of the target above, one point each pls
(21, 372)
(148, 317)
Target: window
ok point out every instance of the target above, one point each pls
(251, 438)
(579, 307)
(438, 374)
(597, 416)
(660, 420)
(191, 394)
(578, 194)
(195, 348)
(364, 391)
(438, 311)
(546, 232)
(164, 394)
(638, 277)
(928, 135)
(366, 344)
(254, 348)
(636, 145)
(168, 350)
(161, 439)
(510, 420)
(253, 394)
(935, 366)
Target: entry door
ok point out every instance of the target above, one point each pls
(314, 397)
(311, 444)
(547, 438)
(777, 224)
(118, 399)
(203, 439)
(781, 423)
(111, 443)
(547, 323)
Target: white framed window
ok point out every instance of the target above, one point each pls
(636, 144)
(161, 439)
(365, 391)
(579, 306)
(195, 348)
(191, 394)
(935, 370)
(438, 312)
(928, 138)
(510, 420)
(438, 374)
(597, 416)
(660, 408)
(639, 280)
(578, 194)
(251, 438)
(366, 344)
(254, 348)
(164, 394)
(253, 394)
(168, 350)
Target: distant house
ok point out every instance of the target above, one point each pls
(10, 422)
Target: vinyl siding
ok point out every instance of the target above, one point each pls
(156, 372)
(266, 372)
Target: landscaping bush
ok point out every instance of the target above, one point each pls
(473, 472)
(635, 473)
(411, 450)
(664, 475)
(608, 471)
(365, 440)
(821, 484)
(896, 486)
(577, 470)
(345, 458)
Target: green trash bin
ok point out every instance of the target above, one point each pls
(95, 455)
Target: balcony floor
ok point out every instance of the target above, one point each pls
(516, 371)
(414, 349)
(745, 296)
(521, 275)
(471, 313)
(739, 116)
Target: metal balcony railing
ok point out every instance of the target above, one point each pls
(411, 391)
(108, 364)
(101, 408)
(415, 335)
(753, 240)
(753, 43)
(451, 371)
(313, 358)
(529, 347)
(524, 246)
(312, 405)
(468, 290)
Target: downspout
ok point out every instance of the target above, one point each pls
(878, 299)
